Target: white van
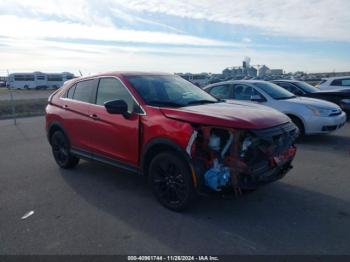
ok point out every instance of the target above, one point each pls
(38, 80)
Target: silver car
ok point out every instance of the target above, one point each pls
(312, 116)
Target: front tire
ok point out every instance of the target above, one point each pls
(171, 181)
(299, 124)
(61, 151)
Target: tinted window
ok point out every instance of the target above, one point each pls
(24, 77)
(83, 90)
(291, 88)
(222, 91)
(243, 92)
(54, 78)
(70, 92)
(112, 89)
(345, 82)
(336, 82)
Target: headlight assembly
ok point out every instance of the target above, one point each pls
(319, 111)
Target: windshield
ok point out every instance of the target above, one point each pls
(307, 87)
(274, 90)
(169, 91)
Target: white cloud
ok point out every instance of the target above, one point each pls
(320, 19)
(42, 55)
(25, 26)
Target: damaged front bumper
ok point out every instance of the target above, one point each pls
(241, 159)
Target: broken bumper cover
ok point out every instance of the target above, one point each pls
(234, 159)
(277, 167)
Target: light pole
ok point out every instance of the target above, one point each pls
(12, 100)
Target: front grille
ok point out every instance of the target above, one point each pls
(335, 113)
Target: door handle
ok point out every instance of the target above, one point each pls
(94, 117)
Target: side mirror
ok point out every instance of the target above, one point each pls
(117, 107)
(257, 98)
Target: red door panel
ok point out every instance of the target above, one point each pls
(77, 123)
(114, 136)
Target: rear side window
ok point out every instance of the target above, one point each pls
(70, 92)
(83, 91)
(341, 82)
(112, 89)
(345, 82)
(222, 91)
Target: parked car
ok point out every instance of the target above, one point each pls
(341, 97)
(182, 139)
(311, 115)
(334, 83)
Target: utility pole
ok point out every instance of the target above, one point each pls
(12, 100)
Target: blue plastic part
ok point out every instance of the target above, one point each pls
(217, 177)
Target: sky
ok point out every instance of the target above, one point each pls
(173, 35)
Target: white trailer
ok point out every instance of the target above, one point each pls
(38, 80)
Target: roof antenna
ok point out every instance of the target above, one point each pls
(80, 73)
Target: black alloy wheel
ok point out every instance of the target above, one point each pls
(171, 181)
(61, 151)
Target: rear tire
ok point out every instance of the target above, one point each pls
(171, 181)
(61, 151)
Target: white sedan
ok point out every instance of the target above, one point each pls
(330, 83)
(312, 116)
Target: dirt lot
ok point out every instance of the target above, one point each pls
(26, 102)
(24, 94)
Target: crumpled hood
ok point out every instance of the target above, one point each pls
(231, 114)
(307, 101)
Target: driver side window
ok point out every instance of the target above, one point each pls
(221, 91)
(112, 89)
(291, 88)
(243, 92)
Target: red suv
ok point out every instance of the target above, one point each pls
(181, 138)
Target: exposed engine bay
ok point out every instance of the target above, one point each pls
(226, 158)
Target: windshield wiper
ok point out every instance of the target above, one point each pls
(199, 102)
(163, 103)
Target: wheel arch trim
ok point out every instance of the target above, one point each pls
(155, 143)
(56, 125)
